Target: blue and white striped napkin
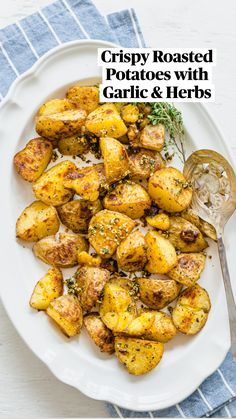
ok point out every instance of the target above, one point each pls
(21, 44)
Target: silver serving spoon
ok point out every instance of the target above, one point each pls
(214, 200)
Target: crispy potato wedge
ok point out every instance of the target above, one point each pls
(138, 355)
(188, 269)
(73, 146)
(162, 329)
(49, 187)
(99, 333)
(191, 311)
(131, 253)
(84, 258)
(85, 97)
(115, 157)
(90, 282)
(106, 121)
(33, 159)
(47, 289)
(185, 236)
(128, 198)
(76, 214)
(153, 137)
(67, 314)
(206, 228)
(61, 252)
(160, 221)
(106, 231)
(36, 221)
(170, 190)
(55, 106)
(143, 163)
(130, 113)
(61, 124)
(85, 182)
(161, 254)
(158, 293)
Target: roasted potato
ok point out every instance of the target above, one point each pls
(115, 157)
(170, 190)
(99, 333)
(153, 137)
(160, 221)
(76, 214)
(161, 254)
(188, 269)
(129, 198)
(33, 159)
(158, 293)
(133, 135)
(191, 311)
(131, 253)
(90, 282)
(47, 289)
(67, 314)
(85, 97)
(130, 113)
(73, 146)
(143, 163)
(38, 220)
(138, 355)
(84, 258)
(55, 106)
(185, 236)
(49, 187)
(61, 252)
(206, 228)
(106, 121)
(61, 124)
(106, 231)
(85, 182)
(140, 325)
(162, 329)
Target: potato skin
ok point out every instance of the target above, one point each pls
(73, 146)
(85, 97)
(76, 214)
(90, 282)
(106, 121)
(131, 253)
(158, 293)
(115, 157)
(85, 182)
(185, 236)
(33, 159)
(160, 221)
(67, 314)
(61, 124)
(49, 187)
(162, 329)
(60, 252)
(36, 221)
(191, 311)
(138, 355)
(170, 190)
(161, 254)
(99, 333)
(153, 137)
(188, 269)
(84, 258)
(128, 198)
(55, 106)
(106, 231)
(144, 163)
(206, 228)
(47, 289)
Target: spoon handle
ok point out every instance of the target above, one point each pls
(229, 295)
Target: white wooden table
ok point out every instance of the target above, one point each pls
(28, 389)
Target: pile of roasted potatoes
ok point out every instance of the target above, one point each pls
(128, 228)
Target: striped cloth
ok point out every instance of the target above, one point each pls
(21, 44)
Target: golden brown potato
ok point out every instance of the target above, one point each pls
(85, 182)
(160, 221)
(115, 157)
(106, 231)
(38, 220)
(140, 325)
(126, 283)
(106, 121)
(47, 289)
(61, 252)
(84, 258)
(158, 293)
(54, 106)
(76, 214)
(99, 333)
(128, 198)
(130, 113)
(153, 137)
(131, 253)
(133, 135)
(90, 282)
(206, 228)
(144, 163)
(162, 329)
(85, 97)
(188, 269)
(61, 124)
(170, 190)
(191, 311)
(138, 355)
(73, 146)
(161, 254)
(49, 187)
(67, 314)
(33, 159)
(185, 236)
